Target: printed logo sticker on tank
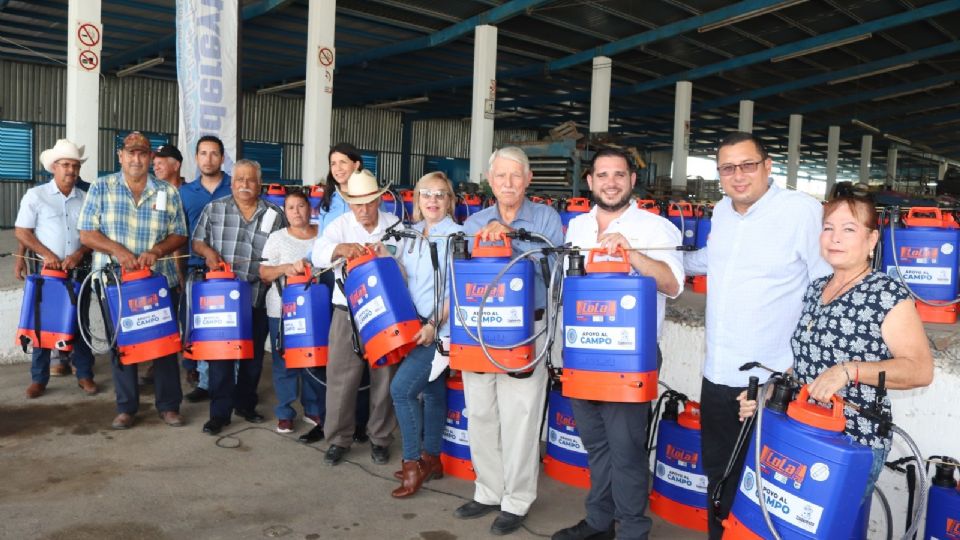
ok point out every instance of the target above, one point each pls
(222, 319)
(919, 255)
(148, 319)
(476, 291)
(451, 432)
(358, 295)
(953, 528)
(210, 303)
(596, 310)
(683, 457)
(289, 309)
(784, 468)
(923, 275)
(616, 338)
(493, 317)
(143, 303)
(683, 479)
(567, 438)
(293, 327)
(782, 505)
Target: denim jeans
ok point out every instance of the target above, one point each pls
(285, 382)
(414, 419)
(81, 358)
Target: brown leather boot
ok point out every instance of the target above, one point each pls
(431, 465)
(412, 479)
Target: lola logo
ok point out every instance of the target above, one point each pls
(143, 302)
(783, 465)
(919, 254)
(289, 309)
(679, 454)
(475, 292)
(596, 308)
(453, 416)
(953, 528)
(565, 420)
(212, 302)
(358, 295)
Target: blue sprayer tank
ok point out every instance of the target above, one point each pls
(275, 193)
(682, 216)
(315, 197)
(566, 459)
(573, 208)
(508, 315)
(927, 253)
(610, 332)
(468, 205)
(382, 308)
(390, 205)
(147, 328)
(456, 443)
(704, 216)
(814, 476)
(305, 316)
(943, 503)
(221, 317)
(52, 297)
(679, 493)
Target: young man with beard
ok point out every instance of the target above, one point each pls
(613, 433)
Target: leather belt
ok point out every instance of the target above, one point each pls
(538, 314)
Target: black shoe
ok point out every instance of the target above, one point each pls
(197, 395)
(583, 531)
(360, 435)
(251, 416)
(379, 454)
(215, 425)
(473, 509)
(506, 523)
(334, 455)
(312, 436)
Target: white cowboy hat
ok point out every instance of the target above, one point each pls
(362, 188)
(64, 149)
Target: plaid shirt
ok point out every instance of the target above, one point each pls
(238, 241)
(110, 209)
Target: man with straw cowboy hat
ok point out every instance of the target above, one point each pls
(346, 237)
(47, 224)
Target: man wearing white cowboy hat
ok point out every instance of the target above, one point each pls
(347, 237)
(47, 225)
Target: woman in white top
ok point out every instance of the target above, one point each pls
(284, 255)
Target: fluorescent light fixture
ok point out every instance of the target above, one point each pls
(864, 125)
(399, 102)
(874, 72)
(749, 15)
(140, 67)
(281, 87)
(894, 138)
(914, 91)
(823, 47)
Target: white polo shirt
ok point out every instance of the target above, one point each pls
(641, 229)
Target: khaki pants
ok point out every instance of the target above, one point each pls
(344, 370)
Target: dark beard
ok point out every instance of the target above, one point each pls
(619, 205)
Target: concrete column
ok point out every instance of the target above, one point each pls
(681, 132)
(891, 165)
(600, 94)
(866, 148)
(941, 170)
(84, 45)
(833, 156)
(746, 116)
(484, 100)
(318, 101)
(793, 150)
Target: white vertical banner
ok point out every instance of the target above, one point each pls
(207, 77)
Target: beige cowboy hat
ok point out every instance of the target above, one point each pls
(362, 188)
(64, 149)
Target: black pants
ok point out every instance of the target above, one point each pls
(720, 425)
(228, 393)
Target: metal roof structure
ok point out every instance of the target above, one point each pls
(890, 65)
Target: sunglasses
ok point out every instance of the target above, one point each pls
(434, 194)
(746, 167)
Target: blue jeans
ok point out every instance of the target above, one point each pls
(81, 357)
(285, 382)
(410, 382)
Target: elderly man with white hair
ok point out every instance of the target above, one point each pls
(505, 409)
(47, 224)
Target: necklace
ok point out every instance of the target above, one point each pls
(825, 301)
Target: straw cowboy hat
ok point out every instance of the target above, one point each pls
(362, 188)
(64, 149)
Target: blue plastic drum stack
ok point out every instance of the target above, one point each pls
(456, 443)
(680, 485)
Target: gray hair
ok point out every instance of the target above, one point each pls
(513, 153)
(250, 163)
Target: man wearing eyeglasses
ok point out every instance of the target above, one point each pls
(762, 252)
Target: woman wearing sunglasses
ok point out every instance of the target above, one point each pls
(433, 209)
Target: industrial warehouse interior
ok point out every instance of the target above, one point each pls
(857, 97)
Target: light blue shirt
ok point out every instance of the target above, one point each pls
(534, 217)
(53, 217)
(338, 207)
(414, 255)
(759, 265)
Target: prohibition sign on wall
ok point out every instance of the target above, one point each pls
(89, 60)
(88, 34)
(326, 56)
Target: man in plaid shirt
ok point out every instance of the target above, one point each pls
(132, 218)
(234, 229)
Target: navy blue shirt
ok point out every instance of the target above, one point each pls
(195, 198)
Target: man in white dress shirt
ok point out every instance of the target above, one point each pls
(762, 252)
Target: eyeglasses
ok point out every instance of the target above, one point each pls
(746, 167)
(433, 194)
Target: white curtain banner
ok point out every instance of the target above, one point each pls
(207, 77)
